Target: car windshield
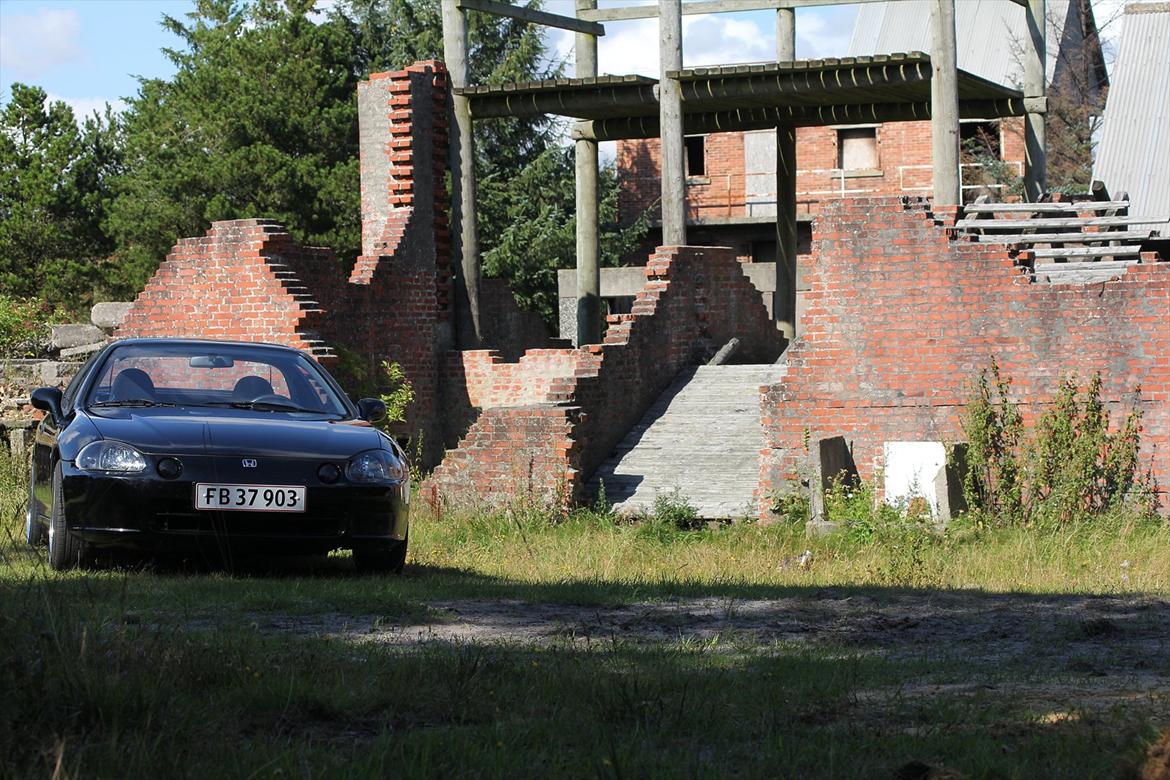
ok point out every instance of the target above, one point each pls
(226, 375)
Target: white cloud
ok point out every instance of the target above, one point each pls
(823, 33)
(32, 44)
(726, 40)
(85, 107)
(710, 39)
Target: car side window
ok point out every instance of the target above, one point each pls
(78, 379)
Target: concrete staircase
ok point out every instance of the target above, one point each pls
(702, 437)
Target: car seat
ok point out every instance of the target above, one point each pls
(250, 388)
(132, 384)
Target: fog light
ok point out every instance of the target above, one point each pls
(169, 468)
(328, 473)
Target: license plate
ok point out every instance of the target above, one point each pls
(250, 498)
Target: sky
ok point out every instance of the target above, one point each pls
(89, 52)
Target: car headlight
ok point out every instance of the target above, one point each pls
(110, 456)
(375, 466)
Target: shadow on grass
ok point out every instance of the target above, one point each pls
(317, 593)
(242, 667)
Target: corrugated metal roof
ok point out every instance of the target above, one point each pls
(990, 34)
(1134, 154)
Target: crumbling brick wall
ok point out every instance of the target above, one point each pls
(904, 168)
(239, 282)
(541, 426)
(248, 280)
(902, 316)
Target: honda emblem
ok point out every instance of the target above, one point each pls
(249, 463)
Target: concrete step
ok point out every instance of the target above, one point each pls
(700, 440)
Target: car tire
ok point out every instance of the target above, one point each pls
(34, 532)
(380, 560)
(66, 551)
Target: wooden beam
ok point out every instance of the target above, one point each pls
(719, 7)
(533, 16)
(798, 116)
(1054, 222)
(1071, 237)
(700, 7)
(633, 99)
(1060, 207)
(1088, 251)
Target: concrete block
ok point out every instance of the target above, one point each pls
(50, 373)
(109, 315)
(917, 470)
(832, 459)
(948, 485)
(74, 335)
(83, 351)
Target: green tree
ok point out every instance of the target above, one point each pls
(54, 179)
(259, 120)
(536, 235)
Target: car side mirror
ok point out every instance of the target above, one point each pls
(48, 399)
(372, 409)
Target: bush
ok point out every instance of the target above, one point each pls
(1075, 464)
(23, 326)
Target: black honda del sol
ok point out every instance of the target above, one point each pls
(170, 443)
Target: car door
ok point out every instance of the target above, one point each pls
(44, 454)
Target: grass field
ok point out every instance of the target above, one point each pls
(589, 648)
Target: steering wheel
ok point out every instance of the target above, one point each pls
(271, 398)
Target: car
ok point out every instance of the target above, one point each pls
(162, 444)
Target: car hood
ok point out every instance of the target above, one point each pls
(234, 432)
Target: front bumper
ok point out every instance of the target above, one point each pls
(146, 511)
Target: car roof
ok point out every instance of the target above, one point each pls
(202, 342)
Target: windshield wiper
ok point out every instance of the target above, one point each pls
(135, 402)
(275, 406)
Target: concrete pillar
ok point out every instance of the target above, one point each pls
(785, 35)
(944, 105)
(1035, 89)
(588, 243)
(464, 237)
(784, 302)
(674, 192)
(784, 298)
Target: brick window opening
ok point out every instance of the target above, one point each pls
(696, 155)
(857, 149)
(980, 139)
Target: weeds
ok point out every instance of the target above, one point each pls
(1074, 465)
(158, 674)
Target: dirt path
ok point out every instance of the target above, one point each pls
(1124, 634)
(1058, 655)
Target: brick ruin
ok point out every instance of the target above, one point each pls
(901, 314)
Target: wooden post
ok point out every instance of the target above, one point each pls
(674, 193)
(464, 238)
(944, 105)
(1035, 79)
(588, 243)
(784, 299)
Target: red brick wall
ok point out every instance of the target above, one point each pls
(574, 405)
(903, 154)
(239, 282)
(901, 318)
(247, 280)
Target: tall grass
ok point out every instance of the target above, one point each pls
(164, 671)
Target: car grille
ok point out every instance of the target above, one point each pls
(248, 523)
